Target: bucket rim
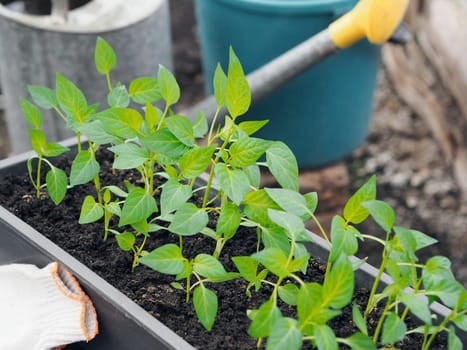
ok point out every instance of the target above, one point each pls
(291, 6)
(91, 18)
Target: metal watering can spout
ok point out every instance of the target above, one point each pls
(376, 20)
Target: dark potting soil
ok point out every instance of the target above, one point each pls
(151, 289)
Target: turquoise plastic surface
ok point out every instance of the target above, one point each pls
(324, 114)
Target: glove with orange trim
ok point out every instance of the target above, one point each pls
(42, 309)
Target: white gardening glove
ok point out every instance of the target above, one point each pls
(42, 309)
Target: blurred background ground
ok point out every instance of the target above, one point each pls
(415, 145)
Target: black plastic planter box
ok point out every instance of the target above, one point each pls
(122, 323)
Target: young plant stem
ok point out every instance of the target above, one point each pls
(379, 326)
(60, 114)
(416, 288)
(377, 279)
(188, 288)
(38, 177)
(78, 138)
(438, 328)
(161, 121)
(137, 253)
(219, 246)
(109, 84)
(107, 217)
(211, 173)
(213, 123)
(97, 184)
(321, 229)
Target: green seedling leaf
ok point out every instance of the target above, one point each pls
(195, 162)
(257, 204)
(200, 128)
(145, 90)
(264, 319)
(205, 303)
(359, 341)
(454, 343)
(126, 240)
(165, 143)
(32, 114)
(254, 175)
(299, 264)
(404, 242)
(250, 127)
(288, 293)
(173, 196)
(118, 97)
(43, 96)
(96, 133)
(274, 260)
(309, 301)
(343, 239)
(285, 334)
(382, 213)
(237, 91)
(311, 199)
(325, 338)
(168, 86)
(113, 208)
(104, 57)
(141, 227)
(437, 268)
(182, 128)
(208, 266)
(274, 237)
(461, 321)
(84, 168)
(188, 220)
(358, 319)
(234, 183)
(291, 201)
(338, 287)
(448, 290)
(247, 151)
(138, 206)
(394, 329)
(54, 149)
(129, 156)
(421, 240)
(291, 223)
(418, 306)
(177, 285)
(117, 191)
(166, 259)
(229, 220)
(38, 140)
(220, 85)
(56, 181)
(247, 266)
(90, 211)
(121, 122)
(354, 212)
(71, 99)
(302, 256)
(152, 116)
(283, 165)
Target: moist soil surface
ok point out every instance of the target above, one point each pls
(152, 290)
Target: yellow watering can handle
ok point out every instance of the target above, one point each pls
(374, 19)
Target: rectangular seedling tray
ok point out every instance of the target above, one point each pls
(123, 324)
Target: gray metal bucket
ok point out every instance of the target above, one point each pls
(33, 48)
